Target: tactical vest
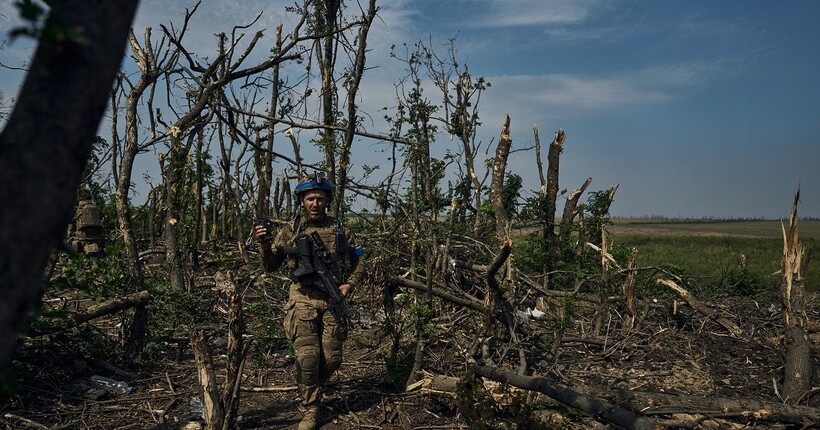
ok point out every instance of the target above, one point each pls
(334, 236)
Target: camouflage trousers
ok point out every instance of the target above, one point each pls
(318, 342)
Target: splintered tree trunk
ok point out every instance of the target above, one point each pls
(214, 411)
(553, 159)
(571, 209)
(629, 288)
(798, 366)
(236, 347)
(497, 185)
(222, 407)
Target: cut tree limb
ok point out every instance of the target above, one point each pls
(700, 307)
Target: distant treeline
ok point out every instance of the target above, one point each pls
(662, 218)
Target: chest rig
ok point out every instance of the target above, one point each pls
(333, 246)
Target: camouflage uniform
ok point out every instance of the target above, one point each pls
(309, 323)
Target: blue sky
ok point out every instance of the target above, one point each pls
(696, 108)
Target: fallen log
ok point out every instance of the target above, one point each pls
(665, 404)
(107, 307)
(700, 307)
(110, 306)
(597, 408)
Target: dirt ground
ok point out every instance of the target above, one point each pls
(674, 354)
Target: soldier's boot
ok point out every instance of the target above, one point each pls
(310, 419)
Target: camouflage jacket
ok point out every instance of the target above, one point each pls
(347, 268)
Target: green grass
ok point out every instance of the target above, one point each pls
(712, 263)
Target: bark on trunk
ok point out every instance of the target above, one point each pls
(264, 166)
(39, 178)
(629, 289)
(236, 348)
(442, 294)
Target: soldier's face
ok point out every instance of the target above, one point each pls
(315, 203)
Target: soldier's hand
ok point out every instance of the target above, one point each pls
(346, 289)
(261, 233)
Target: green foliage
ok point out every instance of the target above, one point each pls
(262, 326)
(398, 369)
(530, 253)
(597, 208)
(39, 27)
(100, 277)
(511, 192)
(477, 406)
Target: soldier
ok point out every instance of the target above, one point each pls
(310, 322)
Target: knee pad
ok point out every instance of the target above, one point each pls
(308, 362)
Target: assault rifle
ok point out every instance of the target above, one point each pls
(315, 262)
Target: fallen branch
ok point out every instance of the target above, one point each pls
(700, 307)
(110, 306)
(598, 408)
(438, 292)
(107, 307)
(270, 389)
(665, 404)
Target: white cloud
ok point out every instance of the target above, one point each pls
(555, 94)
(504, 13)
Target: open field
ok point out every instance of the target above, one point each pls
(751, 229)
(709, 252)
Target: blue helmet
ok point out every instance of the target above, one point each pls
(315, 182)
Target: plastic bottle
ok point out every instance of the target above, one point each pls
(110, 385)
(197, 408)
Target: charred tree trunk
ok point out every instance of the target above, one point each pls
(798, 366)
